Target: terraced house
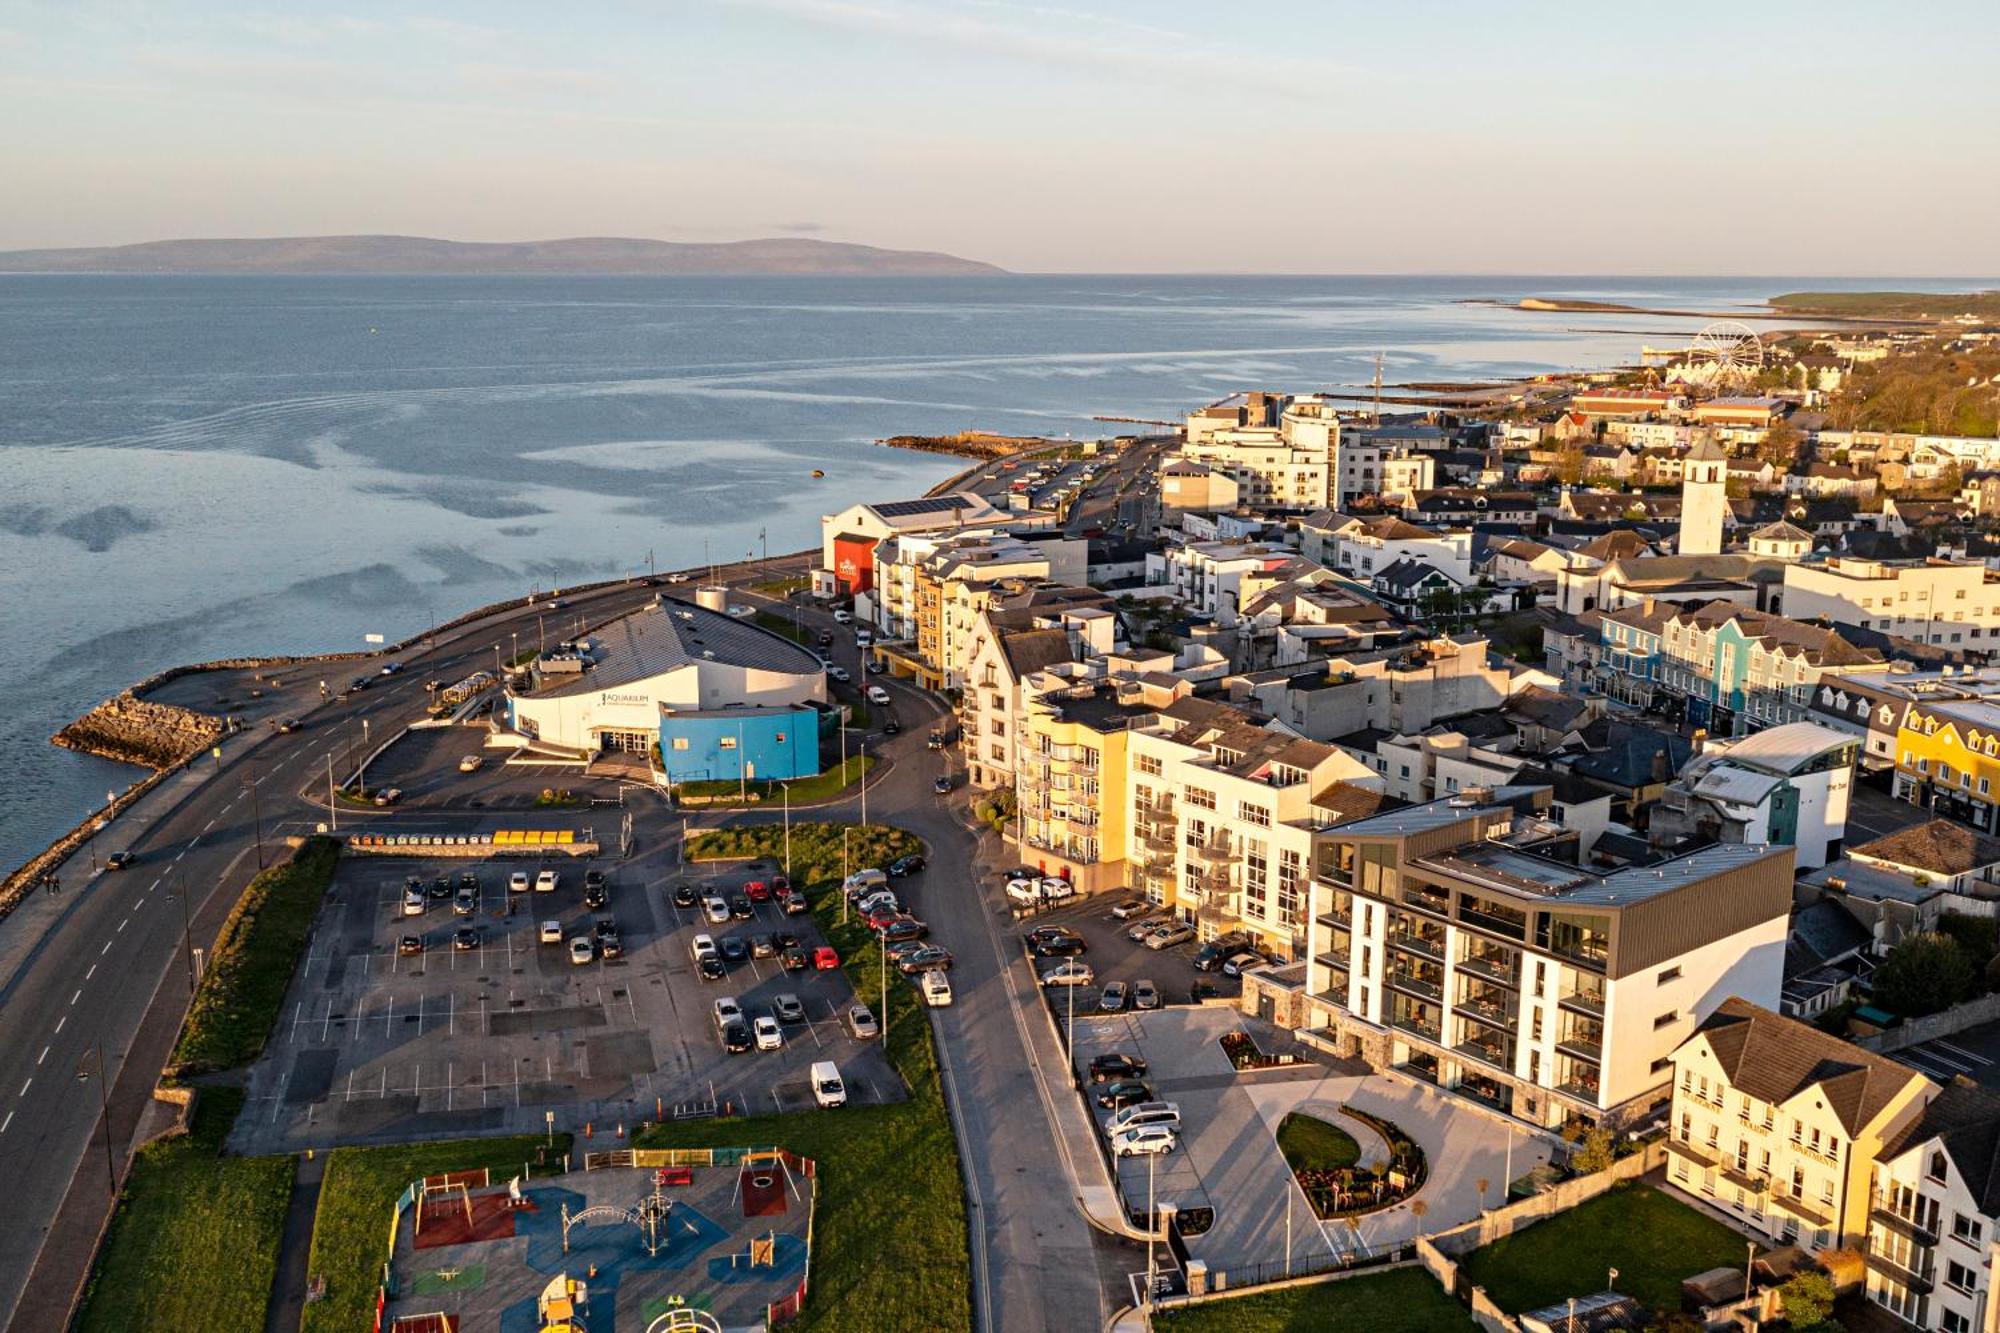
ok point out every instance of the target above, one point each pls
(1453, 941)
(1780, 1125)
(1934, 1215)
(1948, 758)
(1725, 667)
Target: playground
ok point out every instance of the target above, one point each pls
(636, 1242)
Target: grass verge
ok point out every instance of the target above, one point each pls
(1650, 1239)
(1404, 1300)
(351, 1226)
(820, 787)
(195, 1240)
(1311, 1144)
(259, 948)
(890, 1233)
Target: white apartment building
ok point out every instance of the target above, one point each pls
(1366, 463)
(1947, 602)
(1790, 784)
(1219, 810)
(1446, 946)
(1270, 471)
(1363, 548)
(1207, 577)
(1780, 1125)
(1934, 1216)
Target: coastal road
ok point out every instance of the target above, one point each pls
(103, 967)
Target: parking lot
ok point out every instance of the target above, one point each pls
(1975, 1053)
(1114, 957)
(1227, 1157)
(378, 1042)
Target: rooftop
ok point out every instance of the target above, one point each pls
(673, 634)
(1937, 846)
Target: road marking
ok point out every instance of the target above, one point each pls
(8, 1121)
(60, 1021)
(43, 1056)
(88, 975)
(79, 995)
(121, 928)
(107, 946)
(29, 1084)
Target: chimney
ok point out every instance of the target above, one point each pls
(1646, 607)
(1660, 766)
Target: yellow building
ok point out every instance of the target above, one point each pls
(1070, 776)
(1948, 759)
(1780, 1125)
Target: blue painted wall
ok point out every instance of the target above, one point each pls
(778, 746)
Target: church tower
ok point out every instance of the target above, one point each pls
(1704, 499)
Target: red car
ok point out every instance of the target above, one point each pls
(825, 959)
(780, 883)
(759, 891)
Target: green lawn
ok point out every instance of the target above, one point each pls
(351, 1229)
(1651, 1240)
(1311, 1144)
(1403, 1300)
(195, 1241)
(782, 627)
(890, 1232)
(255, 955)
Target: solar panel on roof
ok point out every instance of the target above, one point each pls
(930, 505)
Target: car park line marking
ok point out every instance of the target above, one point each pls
(79, 995)
(88, 975)
(60, 1021)
(29, 1084)
(8, 1121)
(43, 1056)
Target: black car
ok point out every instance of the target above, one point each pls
(1211, 956)
(1061, 946)
(685, 896)
(795, 903)
(440, 887)
(604, 928)
(711, 968)
(119, 860)
(1123, 1092)
(784, 939)
(286, 726)
(735, 1036)
(465, 938)
(892, 728)
(1041, 933)
(468, 880)
(733, 948)
(826, 638)
(597, 897)
(610, 946)
(906, 865)
(763, 946)
(741, 908)
(1105, 1068)
(593, 879)
(795, 960)
(930, 958)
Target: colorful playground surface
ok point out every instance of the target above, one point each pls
(636, 1242)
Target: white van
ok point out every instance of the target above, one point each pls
(828, 1090)
(862, 880)
(1141, 1114)
(936, 989)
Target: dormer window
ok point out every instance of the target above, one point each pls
(1938, 1171)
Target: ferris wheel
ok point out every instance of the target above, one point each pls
(1725, 351)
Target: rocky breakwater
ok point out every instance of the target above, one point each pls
(138, 731)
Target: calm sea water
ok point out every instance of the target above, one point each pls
(197, 467)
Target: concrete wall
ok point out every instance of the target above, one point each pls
(1460, 1241)
(1915, 1031)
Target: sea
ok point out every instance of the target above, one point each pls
(199, 467)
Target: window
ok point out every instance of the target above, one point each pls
(1670, 974)
(1149, 765)
(680, 742)
(1938, 1170)
(1665, 1019)
(1951, 1321)
(1253, 814)
(1958, 1276)
(1199, 799)
(726, 742)
(1967, 1229)
(1661, 1065)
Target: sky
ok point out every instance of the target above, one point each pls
(1076, 136)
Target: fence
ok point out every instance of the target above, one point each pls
(412, 1192)
(1560, 1198)
(1913, 1031)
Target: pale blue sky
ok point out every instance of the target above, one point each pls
(1076, 135)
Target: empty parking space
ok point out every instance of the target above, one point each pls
(1973, 1053)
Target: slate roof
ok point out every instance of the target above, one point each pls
(1627, 760)
(1965, 1118)
(1616, 546)
(1544, 708)
(1821, 932)
(1031, 650)
(1344, 801)
(1408, 574)
(1774, 1058)
(1938, 846)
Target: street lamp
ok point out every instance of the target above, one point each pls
(257, 816)
(187, 934)
(84, 1073)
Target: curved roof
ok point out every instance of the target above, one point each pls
(1788, 748)
(673, 634)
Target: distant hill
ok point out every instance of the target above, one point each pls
(418, 254)
(1918, 306)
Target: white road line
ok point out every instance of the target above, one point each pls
(88, 975)
(79, 995)
(60, 1021)
(107, 946)
(29, 1084)
(8, 1121)
(43, 1056)
(121, 927)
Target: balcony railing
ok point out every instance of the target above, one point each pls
(1919, 1279)
(1497, 968)
(1337, 916)
(1411, 984)
(1582, 1048)
(1431, 948)
(1907, 1227)
(1472, 916)
(1583, 1089)
(1486, 1011)
(1583, 1002)
(1415, 1026)
(1489, 1053)
(1336, 962)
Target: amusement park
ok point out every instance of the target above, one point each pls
(637, 1241)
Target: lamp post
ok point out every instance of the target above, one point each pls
(84, 1073)
(187, 934)
(257, 817)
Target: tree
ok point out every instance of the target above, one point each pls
(1594, 1150)
(1569, 464)
(1808, 1302)
(1780, 445)
(1923, 974)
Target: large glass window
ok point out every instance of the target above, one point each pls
(1378, 870)
(1575, 935)
(1490, 914)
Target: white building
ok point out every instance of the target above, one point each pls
(1207, 577)
(1363, 548)
(1934, 1219)
(1704, 500)
(1789, 785)
(1948, 602)
(1444, 945)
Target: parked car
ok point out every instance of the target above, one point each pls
(716, 910)
(410, 945)
(1213, 954)
(843, 616)
(546, 881)
(769, 1036)
(794, 960)
(930, 958)
(465, 902)
(788, 1008)
(702, 946)
(1143, 1140)
(825, 959)
(604, 928)
(440, 888)
(465, 938)
(758, 891)
(413, 902)
(763, 946)
(119, 860)
(786, 940)
(470, 764)
(735, 1037)
(581, 950)
(1145, 1113)
(1116, 1064)
(1071, 973)
(711, 968)
(517, 882)
(741, 907)
(1128, 908)
(904, 866)
(684, 895)
(878, 696)
(903, 928)
(838, 673)
(794, 903)
(1061, 946)
(734, 949)
(610, 946)
(1176, 933)
(902, 949)
(551, 932)
(861, 1024)
(1145, 995)
(1112, 999)
(1040, 934)
(1239, 962)
(725, 1009)
(1123, 1092)
(869, 903)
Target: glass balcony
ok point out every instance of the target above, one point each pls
(1412, 982)
(1488, 1010)
(1481, 1046)
(1416, 1025)
(1333, 962)
(1584, 999)
(1586, 1088)
(1919, 1276)
(1501, 966)
(1908, 1227)
(1427, 946)
(1582, 1047)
